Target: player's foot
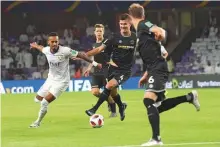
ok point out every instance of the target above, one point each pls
(195, 99)
(125, 105)
(35, 125)
(113, 115)
(153, 142)
(90, 112)
(122, 111)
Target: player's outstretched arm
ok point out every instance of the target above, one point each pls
(95, 50)
(86, 58)
(36, 46)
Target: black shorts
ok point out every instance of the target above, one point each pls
(98, 81)
(157, 78)
(119, 75)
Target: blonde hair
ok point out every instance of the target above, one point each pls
(99, 26)
(136, 10)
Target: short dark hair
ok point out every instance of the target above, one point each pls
(136, 10)
(53, 34)
(124, 16)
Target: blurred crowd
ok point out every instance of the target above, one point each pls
(19, 62)
(204, 54)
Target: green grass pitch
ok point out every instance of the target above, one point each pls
(67, 125)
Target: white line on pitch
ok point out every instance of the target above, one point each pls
(175, 144)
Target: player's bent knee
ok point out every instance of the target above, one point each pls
(114, 93)
(111, 84)
(95, 93)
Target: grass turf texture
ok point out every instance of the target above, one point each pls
(67, 125)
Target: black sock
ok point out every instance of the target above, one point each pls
(172, 102)
(103, 96)
(117, 100)
(154, 118)
(113, 107)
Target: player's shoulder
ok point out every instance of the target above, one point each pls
(145, 24)
(46, 49)
(64, 48)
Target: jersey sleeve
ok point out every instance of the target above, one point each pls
(145, 25)
(44, 50)
(72, 53)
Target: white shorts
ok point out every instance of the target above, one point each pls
(53, 87)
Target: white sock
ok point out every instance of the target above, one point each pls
(43, 110)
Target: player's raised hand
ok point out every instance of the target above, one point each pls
(142, 82)
(33, 45)
(86, 73)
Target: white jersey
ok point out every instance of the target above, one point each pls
(59, 63)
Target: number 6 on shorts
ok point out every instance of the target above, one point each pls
(151, 80)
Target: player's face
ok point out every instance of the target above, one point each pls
(53, 42)
(125, 25)
(99, 32)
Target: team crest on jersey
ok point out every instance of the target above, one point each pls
(60, 57)
(120, 41)
(132, 42)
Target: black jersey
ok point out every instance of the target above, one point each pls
(101, 58)
(122, 50)
(148, 47)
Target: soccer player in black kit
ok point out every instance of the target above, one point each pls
(99, 75)
(121, 46)
(148, 39)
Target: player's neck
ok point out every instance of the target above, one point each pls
(126, 34)
(54, 51)
(98, 40)
(136, 22)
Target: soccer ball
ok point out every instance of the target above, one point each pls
(96, 121)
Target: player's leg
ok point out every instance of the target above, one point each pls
(153, 116)
(103, 96)
(54, 92)
(111, 102)
(170, 103)
(116, 96)
(120, 77)
(43, 109)
(99, 81)
(153, 87)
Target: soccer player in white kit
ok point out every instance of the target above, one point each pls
(58, 77)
